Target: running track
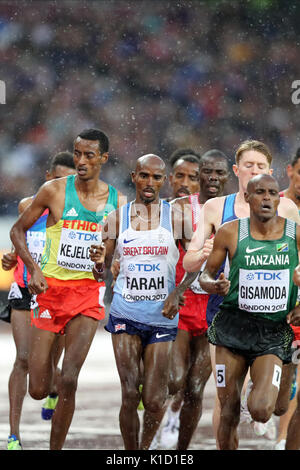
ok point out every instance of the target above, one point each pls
(95, 424)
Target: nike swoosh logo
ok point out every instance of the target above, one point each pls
(161, 336)
(251, 250)
(128, 241)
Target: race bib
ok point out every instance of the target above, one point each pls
(36, 243)
(74, 249)
(145, 281)
(263, 290)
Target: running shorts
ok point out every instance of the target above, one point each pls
(192, 317)
(296, 330)
(251, 336)
(148, 333)
(64, 300)
(18, 299)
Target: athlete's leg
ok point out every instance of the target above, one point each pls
(283, 399)
(265, 374)
(286, 418)
(17, 385)
(128, 353)
(293, 432)
(41, 367)
(80, 332)
(198, 374)
(217, 406)
(155, 389)
(231, 370)
(180, 360)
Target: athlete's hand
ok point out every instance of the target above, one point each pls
(9, 261)
(172, 304)
(222, 285)
(37, 283)
(294, 316)
(97, 254)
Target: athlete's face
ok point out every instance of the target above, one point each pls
(263, 197)
(59, 172)
(293, 173)
(213, 176)
(251, 163)
(148, 179)
(87, 158)
(184, 179)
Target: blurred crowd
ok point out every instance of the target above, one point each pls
(155, 76)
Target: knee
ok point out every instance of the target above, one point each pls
(68, 383)
(130, 396)
(260, 411)
(21, 362)
(37, 392)
(154, 405)
(281, 408)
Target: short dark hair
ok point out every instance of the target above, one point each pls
(186, 154)
(62, 158)
(96, 134)
(296, 157)
(214, 153)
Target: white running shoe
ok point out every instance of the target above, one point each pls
(154, 443)
(271, 429)
(280, 445)
(169, 433)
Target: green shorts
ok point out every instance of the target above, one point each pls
(251, 336)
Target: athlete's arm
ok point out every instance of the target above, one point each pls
(198, 249)
(47, 192)
(104, 255)
(225, 242)
(296, 275)
(9, 260)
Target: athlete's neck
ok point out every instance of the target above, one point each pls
(290, 194)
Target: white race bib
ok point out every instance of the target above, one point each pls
(263, 290)
(145, 281)
(74, 249)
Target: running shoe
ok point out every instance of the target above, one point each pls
(49, 407)
(13, 443)
(169, 433)
(141, 405)
(280, 445)
(154, 443)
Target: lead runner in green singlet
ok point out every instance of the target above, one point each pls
(251, 328)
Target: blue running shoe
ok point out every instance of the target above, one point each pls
(49, 407)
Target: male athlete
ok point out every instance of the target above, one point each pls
(143, 323)
(69, 300)
(251, 328)
(191, 365)
(18, 308)
(252, 158)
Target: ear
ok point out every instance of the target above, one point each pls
(133, 176)
(104, 157)
(246, 196)
(289, 170)
(48, 176)
(235, 170)
(271, 171)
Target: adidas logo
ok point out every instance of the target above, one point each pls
(45, 314)
(72, 213)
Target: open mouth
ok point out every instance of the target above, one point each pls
(266, 207)
(148, 193)
(183, 192)
(81, 170)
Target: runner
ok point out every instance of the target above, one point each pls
(18, 308)
(252, 158)
(191, 365)
(250, 329)
(69, 300)
(142, 323)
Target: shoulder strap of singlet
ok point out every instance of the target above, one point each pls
(290, 229)
(243, 228)
(228, 208)
(194, 201)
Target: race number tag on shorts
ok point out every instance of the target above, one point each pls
(74, 249)
(276, 376)
(145, 281)
(220, 375)
(263, 290)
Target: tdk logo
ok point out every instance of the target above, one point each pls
(88, 237)
(264, 276)
(144, 267)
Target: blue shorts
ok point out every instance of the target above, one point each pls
(148, 333)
